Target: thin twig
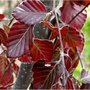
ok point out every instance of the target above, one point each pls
(51, 71)
(61, 44)
(80, 59)
(10, 21)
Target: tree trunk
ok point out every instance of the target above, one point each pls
(24, 76)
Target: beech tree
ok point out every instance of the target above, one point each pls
(46, 37)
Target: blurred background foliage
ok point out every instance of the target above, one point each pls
(85, 57)
(86, 31)
(6, 7)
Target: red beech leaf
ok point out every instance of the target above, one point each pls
(68, 62)
(42, 50)
(75, 63)
(82, 2)
(3, 37)
(76, 83)
(69, 84)
(85, 86)
(25, 58)
(2, 16)
(3, 64)
(72, 38)
(46, 75)
(15, 68)
(40, 73)
(54, 75)
(6, 76)
(86, 2)
(30, 11)
(69, 10)
(20, 39)
(72, 60)
(57, 86)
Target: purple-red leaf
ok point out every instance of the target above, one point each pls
(2, 16)
(57, 86)
(30, 11)
(3, 37)
(72, 38)
(20, 39)
(6, 74)
(68, 62)
(72, 60)
(82, 2)
(40, 73)
(69, 10)
(70, 84)
(25, 58)
(42, 50)
(46, 75)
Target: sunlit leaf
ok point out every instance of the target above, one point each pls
(72, 38)
(30, 11)
(20, 40)
(42, 50)
(72, 60)
(25, 58)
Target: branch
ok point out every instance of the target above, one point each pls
(24, 77)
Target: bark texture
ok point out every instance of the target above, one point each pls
(24, 77)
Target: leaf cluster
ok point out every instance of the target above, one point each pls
(52, 40)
